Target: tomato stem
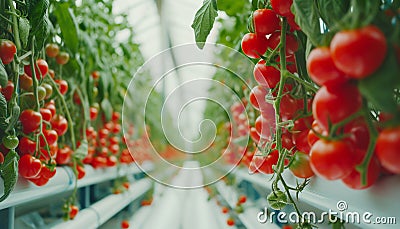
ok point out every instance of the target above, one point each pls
(67, 114)
(373, 135)
(15, 25)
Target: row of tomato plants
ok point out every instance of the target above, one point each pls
(326, 100)
(56, 92)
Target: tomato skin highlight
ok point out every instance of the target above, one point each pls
(387, 149)
(359, 52)
(332, 160)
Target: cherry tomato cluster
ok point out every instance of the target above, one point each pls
(267, 26)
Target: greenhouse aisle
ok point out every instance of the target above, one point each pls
(182, 208)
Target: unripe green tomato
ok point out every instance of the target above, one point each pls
(10, 142)
(41, 93)
(95, 92)
(277, 200)
(49, 90)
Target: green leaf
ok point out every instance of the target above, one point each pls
(332, 11)
(379, 87)
(24, 27)
(307, 17)
(14, 118)
(107, 108)
(232, 7)
(3, 75)
(3, 112)
(68, 25)
(204, 21)
(9, 173)
(38, 16)
(82, 151)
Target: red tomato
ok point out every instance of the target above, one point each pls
(98, 162)
(353, 180)
(25, 82)
(336, 104)
(46, 114)
(52, 50)
(81, 171)
(51, 137)
(332, 160)
(124, 224)
(288, 107)
(73, 211)
(254, 46)
(265, 21)
(286, 138)
(291, 42)
(312, 137)
(63, 155)
(359, 133)
(8, 91)
(300, 165)
(322, 70)
(93, 113)
(1, 158)
(264, 163)
(115, 116)
(359, 52)
(242, 199)
(293, 25)
(39, 180)
(266, 76)
(257, 96)
(95, 75)
(282, 7)
(59, 124)
(26, 146)
(301, 141)
(41, 69)
(254, 135)
(62, 86)
(62, 58)
(29, 166)
(225, 210)
(265, 127)
(387, 149)
(30, 120)
(126, 185)
(51, 106)
(111, 161)
(230, 222)
(46, 172)
(7, 51)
